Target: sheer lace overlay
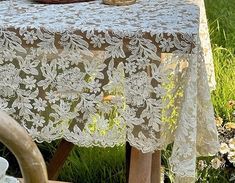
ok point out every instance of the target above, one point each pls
(100, 75)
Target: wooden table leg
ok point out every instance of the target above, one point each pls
(156, 167)
(140, 167)
(145, 168)
(59, 159)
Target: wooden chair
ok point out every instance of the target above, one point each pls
(18, 141)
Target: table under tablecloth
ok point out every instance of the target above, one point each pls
(101, 75)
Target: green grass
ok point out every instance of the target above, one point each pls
(220, 14)
(97, 165)
(221, 18)
(224, 62)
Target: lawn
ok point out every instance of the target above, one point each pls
(107, 165)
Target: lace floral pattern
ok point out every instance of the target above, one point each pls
(100, 75)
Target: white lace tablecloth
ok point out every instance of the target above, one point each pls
(102, 75)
